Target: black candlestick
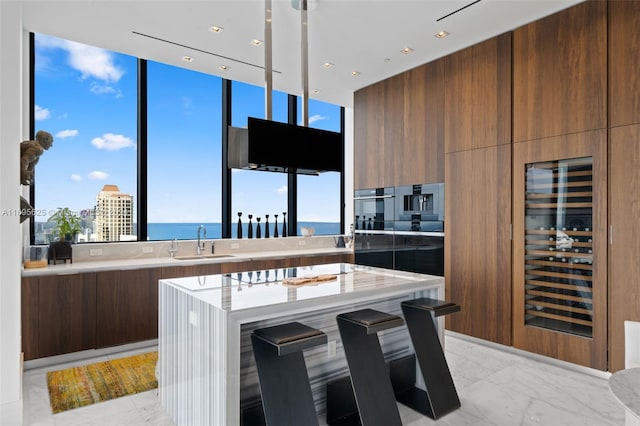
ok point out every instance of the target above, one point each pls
(266, 227)
(369, 227)
(357, 225)
(284, 224)
(258, 231)
(250, 228)
(275, 227)
(239, 225)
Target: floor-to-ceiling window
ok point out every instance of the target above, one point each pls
(257, 193)
(86, 98)
(183, 152)
(319, 196)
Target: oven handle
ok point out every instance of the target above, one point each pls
(373, 197)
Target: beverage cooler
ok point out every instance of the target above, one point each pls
(401, 228)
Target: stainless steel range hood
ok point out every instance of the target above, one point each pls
(280, 147)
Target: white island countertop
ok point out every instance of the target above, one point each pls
(205, 323)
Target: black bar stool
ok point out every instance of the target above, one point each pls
(440, 397)
(282, 372)
(370, 380)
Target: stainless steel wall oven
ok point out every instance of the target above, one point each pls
(401, 228)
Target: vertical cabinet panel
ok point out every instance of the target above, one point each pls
(29, 312)
(477, 244)
(624, 63)
(128, 306)
(624, 251)
(559, 311)
(477, 96)
(369, 137)
(560, 73)
(420, 159)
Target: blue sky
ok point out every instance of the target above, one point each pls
(86, 97)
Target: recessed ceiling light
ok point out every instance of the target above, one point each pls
(216, 29)
(355, 73)
(387, 59)
(327, 65)
(441, 34)
(256, 42)
(407, 50)
(187, 58)
(316, 91)
(223, 67)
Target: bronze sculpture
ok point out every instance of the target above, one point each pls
(30, 152)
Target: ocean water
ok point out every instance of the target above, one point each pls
(189, 231)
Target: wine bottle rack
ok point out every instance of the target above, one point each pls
(559, 246)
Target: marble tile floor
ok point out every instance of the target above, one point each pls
(496, 385)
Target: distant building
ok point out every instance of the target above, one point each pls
(114, 215)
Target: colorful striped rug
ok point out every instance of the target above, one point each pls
(79, 386)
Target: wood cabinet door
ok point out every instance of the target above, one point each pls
(58, 315)
(560, 73)
(624, 249)
(29, 313)
(560, 247)
(477, 96)
(477, 246)
(624, 62)
(127, 306)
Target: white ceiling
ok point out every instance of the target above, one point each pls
(355, 35)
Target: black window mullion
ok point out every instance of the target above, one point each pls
(226, 171)
(142, 151)
(292, 177)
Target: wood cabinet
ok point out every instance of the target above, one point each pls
(127, 308)
(624, 63)
(58, 314)
(560, 73)
(477, 243)
(190, 270)
(477, 96)
(624, 248)
(398, 129)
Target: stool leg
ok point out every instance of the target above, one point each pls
(440, 391)
(284, 386)
(369, 376)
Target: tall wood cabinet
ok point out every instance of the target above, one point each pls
(624, 177)
(477, 189)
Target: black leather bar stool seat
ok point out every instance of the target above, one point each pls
(440, 397)
(282, 372)
(370, 380)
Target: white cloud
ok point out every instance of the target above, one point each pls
(112, 142)
(91, 61)
(104, 89)
(75, 178)
(62, 134)
(98, 175)
(282, 190)
(316, 117)
(42, 113)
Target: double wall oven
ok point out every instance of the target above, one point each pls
(401, 228)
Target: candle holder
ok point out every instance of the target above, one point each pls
(239, 225)
(250, 228)
(258, 231)
(266, 227)
(284, 224)
(275, 227)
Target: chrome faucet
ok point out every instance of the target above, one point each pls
(199, 248)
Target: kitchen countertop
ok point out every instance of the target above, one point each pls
(153, 262)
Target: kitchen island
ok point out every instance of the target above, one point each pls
(207, 374)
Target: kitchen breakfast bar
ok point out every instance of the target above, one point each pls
(207, 373)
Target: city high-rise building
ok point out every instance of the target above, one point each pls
(114, 214)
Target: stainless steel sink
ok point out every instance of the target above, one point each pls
(202, 256)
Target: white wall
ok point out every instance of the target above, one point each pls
(12, 104)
